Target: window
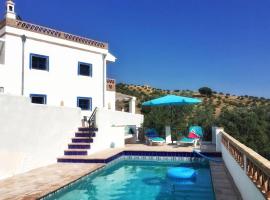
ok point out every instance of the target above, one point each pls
(39, 62)
(38, 98)
(85, 103)
(84, 69)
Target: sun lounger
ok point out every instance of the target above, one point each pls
(194, 136)
(152, 138)
(156, 141)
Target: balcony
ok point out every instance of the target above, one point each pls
(249, 170)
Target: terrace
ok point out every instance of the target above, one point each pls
(42, 156)
(243, 174)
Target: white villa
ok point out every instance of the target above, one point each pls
(53, 67)
(49, 81)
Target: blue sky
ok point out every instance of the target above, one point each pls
(172, 44)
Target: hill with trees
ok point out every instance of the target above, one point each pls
(247, 118)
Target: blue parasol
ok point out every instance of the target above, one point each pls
(172, 100)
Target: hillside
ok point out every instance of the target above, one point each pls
(218, 100)
(247, 118)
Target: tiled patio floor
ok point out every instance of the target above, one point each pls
(207, 147)
(41, 181)
(223, 184)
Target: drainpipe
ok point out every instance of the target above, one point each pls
(104, 79)
(23, 37)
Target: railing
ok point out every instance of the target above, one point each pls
(92, 122)
(255, 166)
(110, 85)
(92, 119)
(51, 32)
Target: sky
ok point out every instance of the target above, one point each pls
(171, 44)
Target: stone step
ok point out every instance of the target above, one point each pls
(79, 146)
(82, 134)
(87, 129)
(78, 159)
(82, 140)
(75, 152)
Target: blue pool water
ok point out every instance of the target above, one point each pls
(142, 180)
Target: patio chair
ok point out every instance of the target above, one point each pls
(152, 138)
(194, 136)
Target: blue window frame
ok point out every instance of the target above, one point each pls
(84, 69)
(38, 98)
(85, 103)
(39, 62)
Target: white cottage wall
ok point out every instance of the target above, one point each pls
(110, 100)
(32, 135)
(111, 128)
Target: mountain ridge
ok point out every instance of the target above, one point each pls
(218, 99)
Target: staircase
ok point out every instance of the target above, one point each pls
(81, 143)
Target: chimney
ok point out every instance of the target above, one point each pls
(10, 10)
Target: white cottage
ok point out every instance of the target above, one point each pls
(39, 65)
(53, 67)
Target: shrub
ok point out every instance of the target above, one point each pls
(206, 91)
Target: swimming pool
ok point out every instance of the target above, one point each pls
(139, 179)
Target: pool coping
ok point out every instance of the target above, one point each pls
(70, 183)
(222, 181)
(137, 153)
